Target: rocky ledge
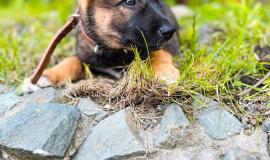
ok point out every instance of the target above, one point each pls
(41, 126)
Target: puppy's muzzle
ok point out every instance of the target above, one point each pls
(167, 31)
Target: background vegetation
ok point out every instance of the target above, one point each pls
(27, 26)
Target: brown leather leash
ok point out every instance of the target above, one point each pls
(62, 33)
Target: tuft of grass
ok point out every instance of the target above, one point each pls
(138, 90)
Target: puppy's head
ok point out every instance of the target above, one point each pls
(118, 24)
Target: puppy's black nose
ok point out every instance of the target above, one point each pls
(167, 31)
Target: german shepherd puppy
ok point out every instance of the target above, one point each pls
(115, 26)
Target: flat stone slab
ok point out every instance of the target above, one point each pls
(202, 102)
(7, 101)
(173, 127)
(42, 130)
(219, 123)
(46, 95)
(238, 154)
(207, 154)
(266, 125)
(3, 88)
(205, 35)
(91, 109)
(113, 138)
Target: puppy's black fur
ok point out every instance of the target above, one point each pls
(124, 28)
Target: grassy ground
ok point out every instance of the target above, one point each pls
(26, 27)
(231, 53)
(217, 69)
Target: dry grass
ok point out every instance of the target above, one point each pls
(143, 98)
(138, 90)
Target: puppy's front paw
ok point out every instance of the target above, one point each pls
(166, 72)
(43, 82)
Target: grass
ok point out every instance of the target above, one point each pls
(232, 52)
(26, 28)
(214, 70)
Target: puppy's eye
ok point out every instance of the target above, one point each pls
(129, 2)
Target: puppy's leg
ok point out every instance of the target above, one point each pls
(69, 69)
(162, 64)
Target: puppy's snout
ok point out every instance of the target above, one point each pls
(167, 31)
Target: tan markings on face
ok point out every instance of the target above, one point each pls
(104, 18)
(84, 4)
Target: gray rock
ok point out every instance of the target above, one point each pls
(205, 36)
(254, 145)
(3, 110)
(266, 125)
(162, 108)
(91, 109)
(217, 121)
(46, 95)
(173, 128)
(202, 102)
(42, 130)
(7, 101)
(84, 126)
(115, 137)
(206, 154)
(237, 154)
(3, 88)
(268, 143)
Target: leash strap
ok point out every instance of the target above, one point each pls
(67, 28)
